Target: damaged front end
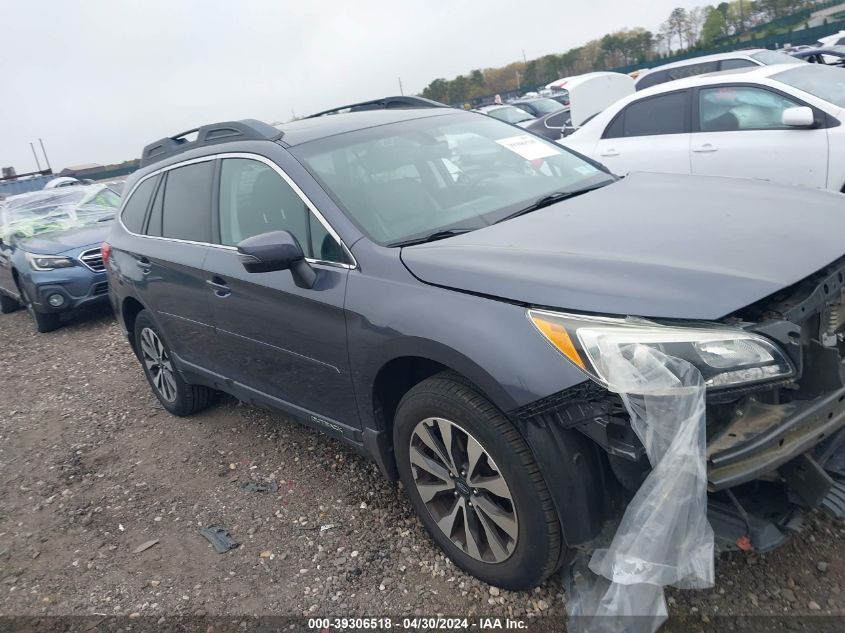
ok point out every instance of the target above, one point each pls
(775, 443)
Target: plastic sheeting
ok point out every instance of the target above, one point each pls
(664, 538)
(59, 209)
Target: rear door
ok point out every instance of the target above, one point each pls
(739, 132)
(650, 134)
(273, 336)
(178, 236)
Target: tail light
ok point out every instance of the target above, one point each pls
(105, 251)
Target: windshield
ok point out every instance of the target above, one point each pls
(824, 82)
(545, 106)
(458, 171)
(510, 114)
(58, 209)
(769, 58)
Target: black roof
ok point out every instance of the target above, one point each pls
(311, 129)
(328, 123)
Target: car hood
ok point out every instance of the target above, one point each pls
(57, 242)
(653, 245)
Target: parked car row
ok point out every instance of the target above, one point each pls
(50, 260)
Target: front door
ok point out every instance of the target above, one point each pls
(273, 336)
(742, 134)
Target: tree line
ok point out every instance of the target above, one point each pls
(683, 30)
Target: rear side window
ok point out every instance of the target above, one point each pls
(733, 64)
(154, 223)
(652, 79)
(692, 70)
(136, 207)
(664, 114)
(186, 210)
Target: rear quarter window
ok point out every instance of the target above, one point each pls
(135, 209)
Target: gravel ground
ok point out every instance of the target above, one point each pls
(91, 467)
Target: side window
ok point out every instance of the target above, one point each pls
(733, 64)
(254, 199)
(186, 209)
(664, 114)
(691, 70)
(731, 108)
(653, 79)
(136, 207)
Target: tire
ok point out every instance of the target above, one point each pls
(177, 396)
(7, 304)
(526, 543)
(44, 321)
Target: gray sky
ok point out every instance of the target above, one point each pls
(98, 79)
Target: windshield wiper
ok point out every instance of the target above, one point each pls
(106, 219)
(550, 199)
(431, 237)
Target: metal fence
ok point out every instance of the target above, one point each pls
(802, 36)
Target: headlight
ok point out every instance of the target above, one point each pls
(725, 356)
(48, 262)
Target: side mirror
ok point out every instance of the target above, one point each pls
(276, 250)
(567, 130)
(801, 116)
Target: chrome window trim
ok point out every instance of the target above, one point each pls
(250, 156)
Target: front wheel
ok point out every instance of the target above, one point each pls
(177, 396)
(44, 321)
(475, 485)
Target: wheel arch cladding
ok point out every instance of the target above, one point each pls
(130, 309)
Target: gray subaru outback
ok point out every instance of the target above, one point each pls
(425, 284)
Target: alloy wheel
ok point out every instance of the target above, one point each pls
(463, 489)
(158, 363)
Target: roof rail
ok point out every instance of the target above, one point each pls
(385, 103)
(246, 130)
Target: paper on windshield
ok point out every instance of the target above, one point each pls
(528, 147)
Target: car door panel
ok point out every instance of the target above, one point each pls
(271, 335)
(739, 133)
(649, 134)
(282, 340)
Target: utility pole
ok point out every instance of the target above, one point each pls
(32, 147)
(524, 61)
(44, 151)
(401, 92)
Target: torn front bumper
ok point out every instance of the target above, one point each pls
(765, 437)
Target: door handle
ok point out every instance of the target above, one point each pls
(218, 286)
(707, 148)
(609, 153)
(144, 264)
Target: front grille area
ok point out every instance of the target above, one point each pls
(93, 259)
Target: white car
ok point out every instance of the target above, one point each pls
(711, 64)
(779, 123)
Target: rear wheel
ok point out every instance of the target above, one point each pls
(7, 304)
(475, 485)
(177, 396)
(44, 321)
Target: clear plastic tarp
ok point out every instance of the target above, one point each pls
(39, 212)
(664, 538)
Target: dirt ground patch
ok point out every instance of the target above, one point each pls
(91, 467)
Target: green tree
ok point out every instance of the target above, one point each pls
(714, 26)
